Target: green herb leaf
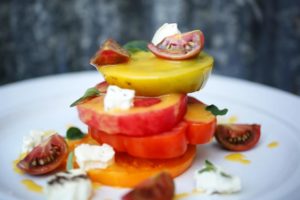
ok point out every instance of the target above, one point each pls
(74, 133)
(136, 46)
(225, 175)
(215, 110)
(70, 161)
(208, 167)
(89, 93)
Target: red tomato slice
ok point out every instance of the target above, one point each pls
(201, 123)
(110, 53)
(169, 144)
(238, 137)
(148, 116)
(179, 46)
(46, 157)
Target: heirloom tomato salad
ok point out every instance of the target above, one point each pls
(143, 126)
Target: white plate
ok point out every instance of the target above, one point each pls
(273, 173)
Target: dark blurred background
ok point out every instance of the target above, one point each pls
(257, 40)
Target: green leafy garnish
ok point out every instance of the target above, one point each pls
(225, 175)
(136, 46)
(208, 167)
(215, 110)
(74, 133)
(70, 161)
(89, 93)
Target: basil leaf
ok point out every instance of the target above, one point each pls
(209, 164)
(215, 110)
(208, 167)
(70, 161)
(91, 92)
(225, 175)
(74, 133)
(136, 46)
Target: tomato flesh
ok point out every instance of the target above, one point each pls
(169, 144)
(46, 157)
(201, 123)
(148, 116)
(179, 46)
(238, 137)
(129, 171)
(110, 53)
(197, 127)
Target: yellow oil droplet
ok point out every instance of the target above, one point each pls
(182, 195)
(15, 168)
(32, 186)
(237, 157)
(232, 119)
(273, 144)
(187, 194)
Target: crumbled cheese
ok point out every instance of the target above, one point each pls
(118, 98)
(164, 31)
(34, 138)
(71, 185)
(94, 156)
(216, 181)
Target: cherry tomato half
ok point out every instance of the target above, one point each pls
(159, 187)
(179, 46)
(238, 137)
(46, 157)
(110, 53)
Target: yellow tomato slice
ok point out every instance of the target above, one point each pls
(152, 76)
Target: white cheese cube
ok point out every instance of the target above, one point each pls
(35, 138)
(118, 98)
(216, 181)
(94, 156)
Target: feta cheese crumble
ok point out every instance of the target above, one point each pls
(212, 179)
(34, 138)
(118, 98)
(164, 31)
(70, 185)
(94, 156)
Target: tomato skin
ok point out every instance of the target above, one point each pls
(182, 49)
(43, 151)
(166, 145)
(230, 136)
(110, 53)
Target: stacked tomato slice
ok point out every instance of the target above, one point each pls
(155, 127)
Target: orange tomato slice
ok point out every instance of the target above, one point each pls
(128, 171)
